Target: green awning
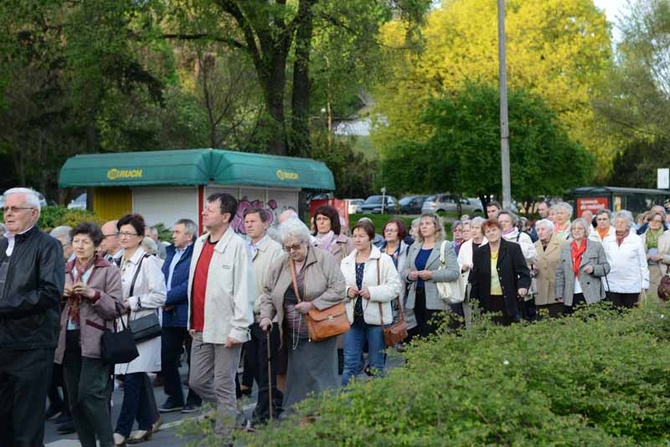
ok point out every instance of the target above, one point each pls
(194, 167)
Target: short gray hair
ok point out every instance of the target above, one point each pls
(626, 215)
(62, 232)
(565, 207)
(581, 221)
(293, 227)
(149, 245)
(32, 199)
(546, 223)
(478, 221)
(510, 214)
(189, 226)
(153, 231)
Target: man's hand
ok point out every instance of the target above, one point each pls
(232, 342)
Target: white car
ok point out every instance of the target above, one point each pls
(79, 203)
(352, 204)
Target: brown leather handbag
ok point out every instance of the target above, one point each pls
(396, 331)
(326, 323)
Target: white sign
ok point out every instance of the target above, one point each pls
(663, 178)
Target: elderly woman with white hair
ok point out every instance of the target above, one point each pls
(581, 266)
(562, 215)
(318, 283)
(548, 248)
(627, 257)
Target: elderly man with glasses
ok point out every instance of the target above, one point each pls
(32, 275)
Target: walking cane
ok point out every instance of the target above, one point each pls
(269, 349)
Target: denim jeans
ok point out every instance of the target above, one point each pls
(354, 342)
(135, 405)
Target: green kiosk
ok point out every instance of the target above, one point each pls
(168, 185)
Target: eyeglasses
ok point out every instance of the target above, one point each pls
(290, 248)
(16, 209)
(125, 234)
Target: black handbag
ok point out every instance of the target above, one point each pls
(118, 347)
(145, 328)
(148, 326)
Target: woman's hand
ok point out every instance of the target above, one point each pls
(588, 269)
(84, 290)
(426, 275)
(304, 307)
(68, 291)
(365, 293)
(413, 275)
(352, 292)
(126, 307)
(522, 292)
(265, 324)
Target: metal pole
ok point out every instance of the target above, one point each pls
(504, 119)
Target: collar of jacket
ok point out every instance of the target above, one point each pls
(98, 261)
(23, 236)
(225, 238)
(375, 253)
(170, 251)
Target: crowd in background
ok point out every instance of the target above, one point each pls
(225, 300)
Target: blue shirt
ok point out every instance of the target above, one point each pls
(420, 263)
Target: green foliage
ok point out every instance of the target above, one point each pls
(54, 216)
(597, 378)
(462, 153)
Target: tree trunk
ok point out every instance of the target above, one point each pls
(300, 143)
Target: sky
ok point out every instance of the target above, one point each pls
(613, 9)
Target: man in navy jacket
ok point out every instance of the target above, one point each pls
(175, 316)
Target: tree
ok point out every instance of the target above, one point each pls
(462, 154)
(277, 36)
(557, 49)
(636, 106)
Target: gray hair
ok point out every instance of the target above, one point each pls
(581, 221)
(546, 223)
(190, 227)
(415, 222)
(626, 215)
(293, 227)
(605, 211)
(62, 232)
(32, 199)
(149, 245)
(510, 214)
(565, 207)
(153, 231)
(477, 221)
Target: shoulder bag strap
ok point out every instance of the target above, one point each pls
(294, 279)
(442, 253)
(137, 272)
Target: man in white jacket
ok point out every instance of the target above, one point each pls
(220, 291)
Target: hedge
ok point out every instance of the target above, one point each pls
(599, 377)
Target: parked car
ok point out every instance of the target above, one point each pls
(440, 203)
(79, 203)
(373, 205)
(411, 204)
(352, 204)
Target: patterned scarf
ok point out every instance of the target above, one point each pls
(576, 254)
(78, 273)
(651, 238)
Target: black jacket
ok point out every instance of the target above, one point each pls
(29, 303)
(512, 271)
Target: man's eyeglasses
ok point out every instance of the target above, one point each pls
(16, 209)
(290, 248)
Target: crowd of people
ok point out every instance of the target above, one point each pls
(223, 299)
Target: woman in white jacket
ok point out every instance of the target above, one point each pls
(372, 282)
(144, 294)
(629, 273)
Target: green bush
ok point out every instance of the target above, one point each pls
(54, 216)
(597, 378)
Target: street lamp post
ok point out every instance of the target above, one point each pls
(504, 118)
